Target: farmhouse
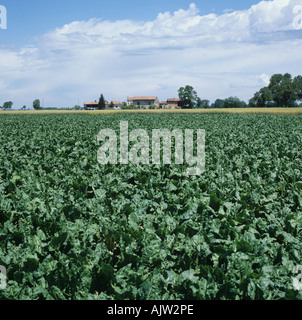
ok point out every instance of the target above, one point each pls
(173, 103)
(94, 105)
(170, 104)
(115, 104)
(143, 102)
(163, 105)
(91, 105)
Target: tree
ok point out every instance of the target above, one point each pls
(102, 103)
(37, 104)
(283, 89)
(8, 105)
(234, 102)
(262, 98)
(188, 97)
(298, 87)
(219, 103)
(198, 103)
(204, 104)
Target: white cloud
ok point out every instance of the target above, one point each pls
(265, 78)
(220, 55)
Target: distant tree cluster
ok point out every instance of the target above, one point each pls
(282, 91)
(189, 100)
(231, 102)
(7, 105)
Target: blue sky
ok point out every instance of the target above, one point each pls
(65, 52)
(30, 18)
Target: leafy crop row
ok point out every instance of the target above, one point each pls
(73, 229)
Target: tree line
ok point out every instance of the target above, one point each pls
(9, 104)
(282, 91)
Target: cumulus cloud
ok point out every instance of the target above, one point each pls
(182, 28)
(221, 55)
(265, 78)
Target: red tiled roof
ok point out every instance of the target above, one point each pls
(142, 98)
(173, 100)
(91, 103)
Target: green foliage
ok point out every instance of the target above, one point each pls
(298, 87)
(219, 103)
(262, 98)
(282, 88)
(102, 103)
(73, 229)
(129, 107)
(282, 91)
(188, 97)
(37, 104)
(234, 102)
(8, 105)
(204, 104)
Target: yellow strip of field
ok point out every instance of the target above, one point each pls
(274, 111)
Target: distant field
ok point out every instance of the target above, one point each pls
(275, 111)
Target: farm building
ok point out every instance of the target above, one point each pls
(163, 105)
(170, 104)
(91, 105)
(143, 102)
(173, 103)
(115, 104)
(94, 105)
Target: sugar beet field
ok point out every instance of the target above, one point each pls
(71, 228)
